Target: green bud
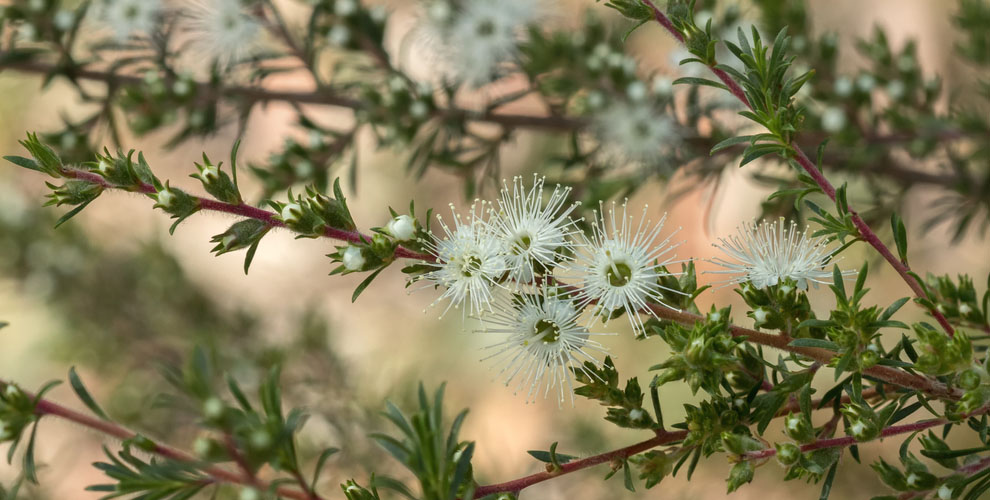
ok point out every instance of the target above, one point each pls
(213, 409)
(260, 440)
(740, 474)
(868, 358)
(969, 379)
(788, 453)
(890, 475)
(739, 444)
(240, 235)
(799, 428)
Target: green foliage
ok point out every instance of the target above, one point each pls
(157, 478)
(625, 406)
(430, 450)
(700, 355)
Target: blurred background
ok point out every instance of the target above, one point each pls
(114, 295)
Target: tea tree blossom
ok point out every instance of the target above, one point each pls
(545, 343)
(224, 29)
(536, 233)
(469, 261)
(128, 18)
(634, 131)
(481, 35)
(618, 267)
(772, 252)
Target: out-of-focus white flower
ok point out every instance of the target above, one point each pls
(224, 29)
(545, 343)
(772, 252)
(896, 89)
(833, 119)
(865, 82)
(535, 232)
(128, 18)
(634, 132)
(481, 36)
(469, 261)
(618, 268)
(843, 86)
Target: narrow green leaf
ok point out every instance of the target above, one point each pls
(320, 462)
(71, 213)
(84, 395)
(27, 163)
(690, 80)
(364, 284)
(732, 141)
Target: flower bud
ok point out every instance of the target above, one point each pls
(787, 453)
(249, 494)
(291, 213)
(969, 379)
(352, 258)
(799, 428)
(402, 228)
(740, 474)
(165, 198)
(213, 408)
(868, 358)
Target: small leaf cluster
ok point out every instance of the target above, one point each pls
(700, 355)
(429, 449)
(625, 406)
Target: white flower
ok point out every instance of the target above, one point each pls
(353, 258)
(535, 232)
(469, 262)
(402, 228)
(634, 131)
(865, 82)
(128, 18)
(843, 86)
(833, 119)
(545, 343)
(338, 35)
(482, 36)
(896, 89)
(772, 252)
(224, 29)
(619, 266)
(944, 492)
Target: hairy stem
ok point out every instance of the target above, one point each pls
(516, 485)
(849, 440)
(249, 211)
(824, 356)
(220, 474)
(208, 92)
(812, 170)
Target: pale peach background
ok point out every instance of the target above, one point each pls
(387, 340)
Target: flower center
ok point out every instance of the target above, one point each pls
(548, 331)
(521, 243)
(471, 266)
(619, 273)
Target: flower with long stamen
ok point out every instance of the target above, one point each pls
(545, 343)
(470, 260)
(536, 233)
(128, 18)
(772, 252)
(479, 37)
(224, 29)
(619, 267)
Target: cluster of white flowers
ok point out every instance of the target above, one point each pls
(478, 37)
(224, 31)
(523, 268)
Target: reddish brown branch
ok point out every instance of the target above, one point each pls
(220, 474)
(812, 170)
(516, 485)
(249, 211)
